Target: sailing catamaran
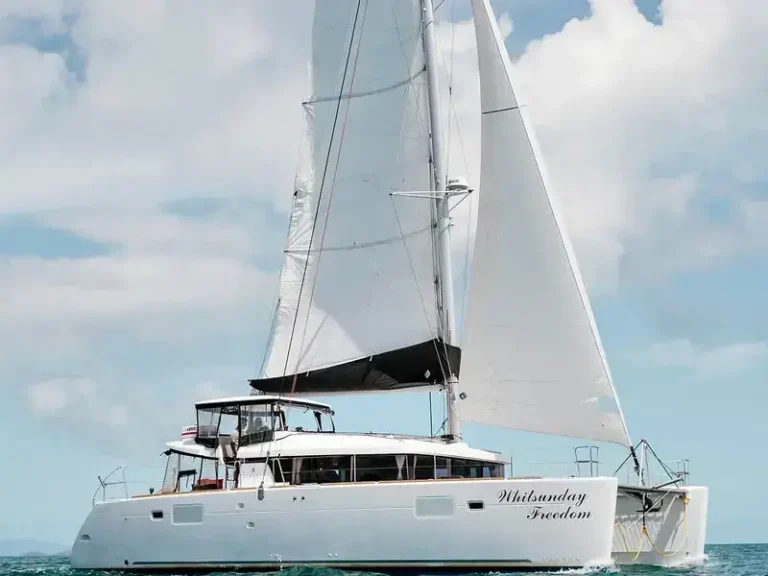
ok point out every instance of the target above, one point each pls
(366, 305)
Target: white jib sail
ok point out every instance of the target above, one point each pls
(358, 277)
(532, 357)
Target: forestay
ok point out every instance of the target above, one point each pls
(357, 282)
(532, 357)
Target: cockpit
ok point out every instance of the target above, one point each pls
(243, 421)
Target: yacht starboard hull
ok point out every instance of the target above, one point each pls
(443, 525)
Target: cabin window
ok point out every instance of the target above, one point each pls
(380, 468)
(461, 468)
(471, 469)
(322, 470)
(442, 467)
(422, 467)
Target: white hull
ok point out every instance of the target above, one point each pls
(675, 531)
(389, 525)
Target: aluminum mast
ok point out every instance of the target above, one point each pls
(442, 233)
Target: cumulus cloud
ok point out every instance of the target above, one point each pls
(644, 127)
(173, 99)
(108, 115)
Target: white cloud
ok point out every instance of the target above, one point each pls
(125, 287)
(181, 99)
(178, 99)
(636, 121)
(706, 363)
(77, 401)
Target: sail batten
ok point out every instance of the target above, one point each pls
(357, 279)
(532, 356)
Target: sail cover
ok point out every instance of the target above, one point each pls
(532, 357)
(357, 280)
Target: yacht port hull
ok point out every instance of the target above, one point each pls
(660, 527)
(438, 525)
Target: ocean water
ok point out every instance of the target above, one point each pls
(723, 560)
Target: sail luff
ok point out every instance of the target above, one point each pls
(533, 359)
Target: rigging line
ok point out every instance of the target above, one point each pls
(338, 160)
(421, 297)
(664, 467)
(450, 88)
(465, 279)
(436, 263)
(463, 197)
(413, 270)
(442, 308)
(431, 433)
(320, 193)
(461, 139)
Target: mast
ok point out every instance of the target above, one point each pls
(442, 232)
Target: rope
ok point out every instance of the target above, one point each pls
(685, 540)
(624, 539)
(644, 532)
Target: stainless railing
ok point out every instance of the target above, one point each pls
(105, 484)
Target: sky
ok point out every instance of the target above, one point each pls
(147, 158)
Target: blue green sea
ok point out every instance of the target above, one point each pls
(723, 560)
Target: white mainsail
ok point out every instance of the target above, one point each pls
(531, 354)
(358, 274)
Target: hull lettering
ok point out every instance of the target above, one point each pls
(568, 514)
(573, 500)
(532, 497)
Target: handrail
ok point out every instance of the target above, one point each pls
(104, 483)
